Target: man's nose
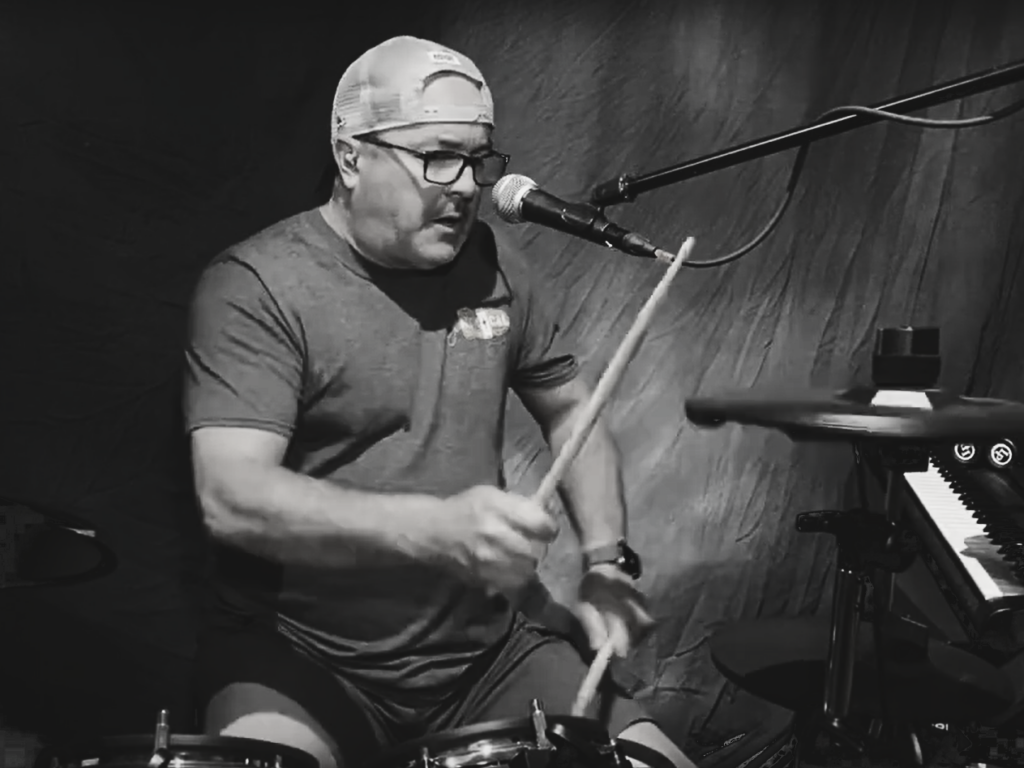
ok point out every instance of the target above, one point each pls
(465, 184)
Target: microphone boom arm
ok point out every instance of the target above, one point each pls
(625, 188)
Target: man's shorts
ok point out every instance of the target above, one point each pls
(533, 662)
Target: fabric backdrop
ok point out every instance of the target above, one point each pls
(136, 144)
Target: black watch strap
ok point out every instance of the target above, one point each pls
(619, 554)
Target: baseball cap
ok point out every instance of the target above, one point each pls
(384, 87)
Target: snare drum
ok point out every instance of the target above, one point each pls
(179, 752)
(539, 741)
(564, 742)
(161, 749)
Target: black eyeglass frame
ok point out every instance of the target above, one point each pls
(473, 161)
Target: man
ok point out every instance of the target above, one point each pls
(348, 371)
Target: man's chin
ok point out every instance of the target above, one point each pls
(437, 254)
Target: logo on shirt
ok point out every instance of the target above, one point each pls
(482, 323)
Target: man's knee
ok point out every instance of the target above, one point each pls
(252, 711)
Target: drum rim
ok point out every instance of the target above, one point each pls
(521, 728)
(195, 743)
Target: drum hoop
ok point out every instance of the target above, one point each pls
(227, 748)
(519, 729)
(652, 758)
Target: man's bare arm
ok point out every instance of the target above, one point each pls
(249, 500)
(592, 484)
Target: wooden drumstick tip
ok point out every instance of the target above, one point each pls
(684, 251)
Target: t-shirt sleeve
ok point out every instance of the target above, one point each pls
(542, 356)
(243, 358)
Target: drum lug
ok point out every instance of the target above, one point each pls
(161, 754)
(621, 761)
(540, 724)
(163, 730)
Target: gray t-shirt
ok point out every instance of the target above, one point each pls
(383, 380)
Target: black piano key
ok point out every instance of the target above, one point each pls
(1000, 528)
(998, 540)
(996, 505)
(1000, 535)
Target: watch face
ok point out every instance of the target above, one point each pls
(630, 561)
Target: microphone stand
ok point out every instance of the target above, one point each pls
(625, 188)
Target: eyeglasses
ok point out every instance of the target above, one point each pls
(445, 167)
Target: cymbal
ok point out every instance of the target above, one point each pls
(783, 661)
(861, 412)
(48, 548)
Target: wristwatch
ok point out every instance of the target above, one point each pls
(619, 554)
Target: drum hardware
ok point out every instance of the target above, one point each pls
(162, 749)
(48, 548)
(537, 741)
(866, 544)
(854, 668)
(540, 724)
(161, 740)
(163, 730)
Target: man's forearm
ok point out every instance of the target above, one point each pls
(592, 484)
(291, 518)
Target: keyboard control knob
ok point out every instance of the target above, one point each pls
(1002, 454)
(965, 453)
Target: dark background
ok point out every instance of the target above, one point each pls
(137, 141)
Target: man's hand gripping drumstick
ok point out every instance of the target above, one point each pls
(582, 429)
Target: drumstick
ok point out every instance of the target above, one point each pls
(581, 431)
(593, 679)
(610, 378)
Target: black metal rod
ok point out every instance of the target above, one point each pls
(842, 647)
(625, 188)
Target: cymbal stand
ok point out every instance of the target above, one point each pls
(867, 543)
(893, 636)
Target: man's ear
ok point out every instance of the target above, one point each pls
(346, 157)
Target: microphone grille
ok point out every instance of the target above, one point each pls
(507, 196)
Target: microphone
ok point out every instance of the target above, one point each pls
(517, 199)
